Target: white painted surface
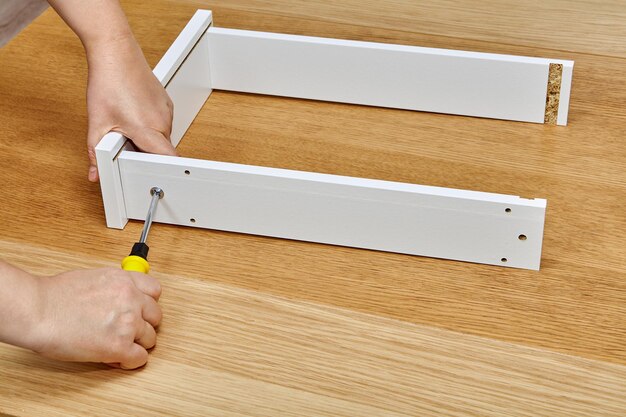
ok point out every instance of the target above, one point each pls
(386, 75)
(357, 212)
(189, 88)
(182, 46)
(566, 90)
(110, 182)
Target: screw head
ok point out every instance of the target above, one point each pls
(158, 191)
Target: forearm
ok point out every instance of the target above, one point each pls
(98, 23)
(19, 298)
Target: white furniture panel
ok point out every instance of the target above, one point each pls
(385, 75)
(189, 89)
(389, 216)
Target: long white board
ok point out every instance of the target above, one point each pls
(385, 75)
(381, 215)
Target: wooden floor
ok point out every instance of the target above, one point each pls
(266, 327)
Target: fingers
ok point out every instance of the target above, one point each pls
(151, 312)
(146, 284)
(146, 139)
(150, 140)
(92, 140)
(151, 287)
(135, 357)
(170, 106)
(147, 336)
(92, 175)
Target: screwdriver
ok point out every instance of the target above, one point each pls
(137, 261)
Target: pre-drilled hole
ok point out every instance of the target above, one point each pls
(504, 259)
(522, 237)
(192, 220)
(187, 172)
(508, 210)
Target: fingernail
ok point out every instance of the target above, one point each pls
(93, 171)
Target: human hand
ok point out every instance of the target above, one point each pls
(124, 96)
(104, 315)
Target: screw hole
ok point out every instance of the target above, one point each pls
(522, 237)
(504, 259)
(187, 172)
(192, 220)
(508, 210)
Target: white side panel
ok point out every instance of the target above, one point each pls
(110, 183)
(189, 88)
(388, 216)
(183, 44)
(386, 75)
(566, 89)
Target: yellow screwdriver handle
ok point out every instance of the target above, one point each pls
(135, 264)
(137, 260)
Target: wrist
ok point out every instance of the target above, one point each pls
(36, 331)
(112, 48)
(22, 307)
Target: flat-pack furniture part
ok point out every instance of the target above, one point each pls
(413, 219)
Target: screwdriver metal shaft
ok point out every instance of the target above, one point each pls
(137, 261)
(157, 194)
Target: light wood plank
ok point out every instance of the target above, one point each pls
(555, 25)
(238, 352)
(575, 305)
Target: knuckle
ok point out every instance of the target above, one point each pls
(127, 292)
(158, 289)
(128, 322)
(119, 348)
(115, 275)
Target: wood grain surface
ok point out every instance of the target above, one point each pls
(261, 326)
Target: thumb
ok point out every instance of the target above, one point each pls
(93, 137)
(152, 141)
